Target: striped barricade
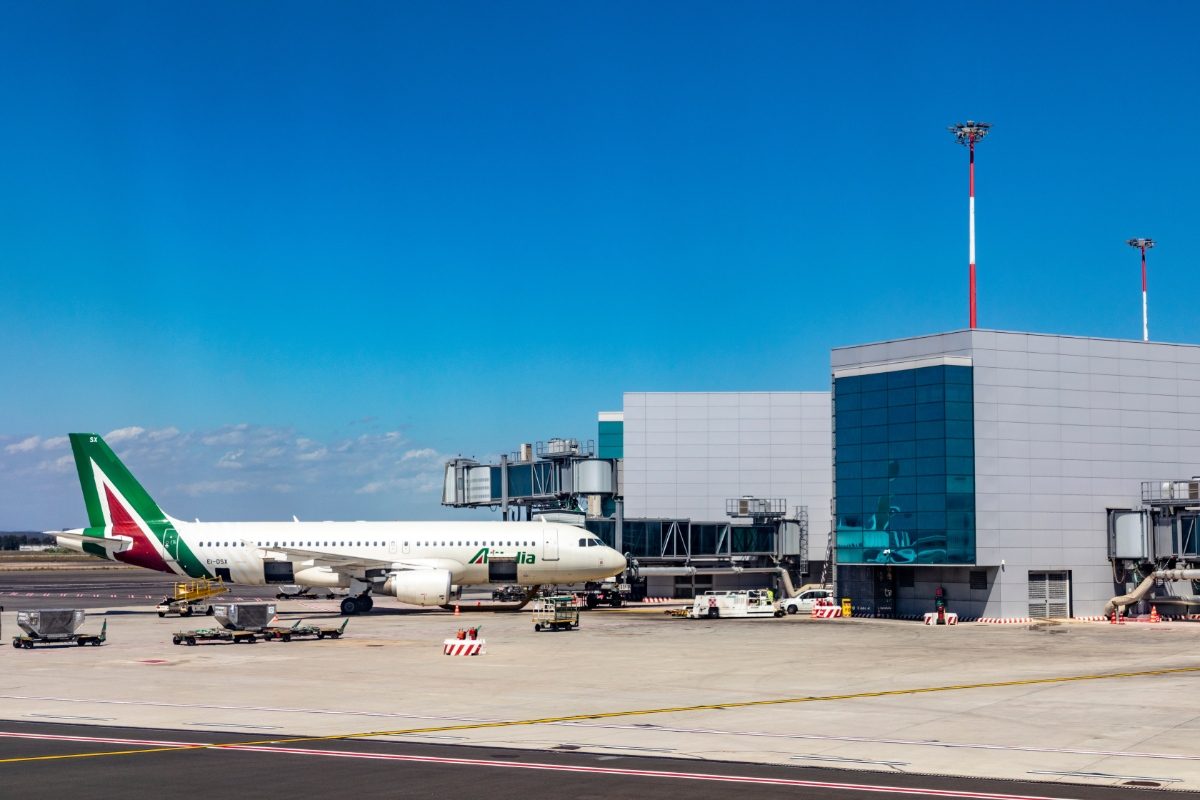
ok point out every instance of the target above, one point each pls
(931, 618)
(463, 647)
(826, 612)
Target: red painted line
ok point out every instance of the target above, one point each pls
(53, 737)
(543, 767)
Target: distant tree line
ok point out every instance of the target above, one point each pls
(14, 540)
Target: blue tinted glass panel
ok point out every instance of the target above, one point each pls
(905, 468)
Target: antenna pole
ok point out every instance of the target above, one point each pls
(968, 133)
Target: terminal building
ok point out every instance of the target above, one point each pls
(1018, 475)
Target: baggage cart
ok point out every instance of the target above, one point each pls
(298, 631)
(192, 638)
(55, 626)
(555, 613)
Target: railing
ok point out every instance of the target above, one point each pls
(756, 506)
(1171, 492)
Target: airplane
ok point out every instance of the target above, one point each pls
(420, 563)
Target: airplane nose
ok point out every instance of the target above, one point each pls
(613, 557)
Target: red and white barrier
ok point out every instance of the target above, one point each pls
(826, 612)
(662, 600)
(931, 618)
(1006, 620)
(463, 647)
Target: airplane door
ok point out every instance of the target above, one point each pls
(550, 545)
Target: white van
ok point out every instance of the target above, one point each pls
(803, 603)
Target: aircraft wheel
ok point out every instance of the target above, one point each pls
(349, 607)
(364, 603)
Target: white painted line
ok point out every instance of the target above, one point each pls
(232, 725)
(1102, 775)
(649, 727)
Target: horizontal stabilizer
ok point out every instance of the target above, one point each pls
(112, 544)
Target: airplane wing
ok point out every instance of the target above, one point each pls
(341, 562)
(111, 544)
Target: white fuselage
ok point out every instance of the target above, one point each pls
(329, 554)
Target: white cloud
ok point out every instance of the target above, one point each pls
(123, 434)
(231, 460)
(233, 472)
(213, 487)
(24, 446)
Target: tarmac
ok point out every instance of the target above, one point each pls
(1069, 706)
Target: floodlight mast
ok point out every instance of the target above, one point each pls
(1143, 245)
(967, 134)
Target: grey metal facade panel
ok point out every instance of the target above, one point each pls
(1065, 427)
(702, 448)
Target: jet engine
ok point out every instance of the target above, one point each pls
(421, 587)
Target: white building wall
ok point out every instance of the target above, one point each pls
(1065, 428)
(686, 453)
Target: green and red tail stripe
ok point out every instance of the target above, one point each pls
(117, 505)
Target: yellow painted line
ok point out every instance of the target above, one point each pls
(634, 713)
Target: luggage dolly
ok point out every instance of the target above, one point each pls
(302, 631)
(192, 638)
(28, 640)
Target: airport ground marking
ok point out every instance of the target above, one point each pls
(600, 725)
(955, 794)
(288, 740)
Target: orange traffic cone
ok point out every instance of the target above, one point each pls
(1154, 617)
(456, 612)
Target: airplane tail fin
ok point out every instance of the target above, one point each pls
(110, 491)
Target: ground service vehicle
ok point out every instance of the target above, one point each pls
(804, 601)
(299, 631)
(612, 594)
(191, 598)
(56, 626)
(555, 613)
(740, 603)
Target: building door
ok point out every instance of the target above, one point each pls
(550, 544)
(1049, 595)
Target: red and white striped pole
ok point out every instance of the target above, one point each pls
(968, 133)
(971, 146)
(1143, 245)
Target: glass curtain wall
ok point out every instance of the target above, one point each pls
(904, 467)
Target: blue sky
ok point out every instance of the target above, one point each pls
(452, 227)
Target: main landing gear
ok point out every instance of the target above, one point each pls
(357, 605)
